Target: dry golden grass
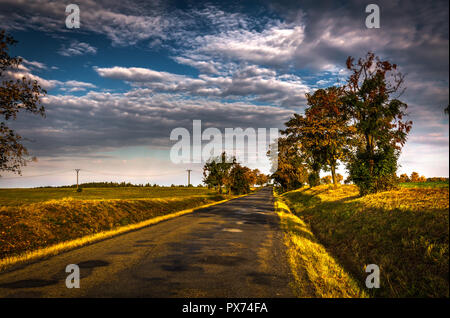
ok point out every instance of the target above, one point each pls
(405, 232)
(316, 273)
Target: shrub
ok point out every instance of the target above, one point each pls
(313, 179)
(382, 177)
(326, 180)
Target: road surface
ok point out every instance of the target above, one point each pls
(233, 249)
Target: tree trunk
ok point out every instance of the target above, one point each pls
(371, 150)
(333, 174)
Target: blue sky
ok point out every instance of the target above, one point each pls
(135, 70)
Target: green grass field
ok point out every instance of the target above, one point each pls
(434, 184)
(405, 232)
(16, 197)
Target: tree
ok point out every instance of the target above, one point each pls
(15, 96)
(403, 178)
(329, 127)
(216, 171)
(240, 179)
(301, 138)
(422, 179)
(339, 178)
(324, 133)
(414, 177)
(291, 172)
(378, 118)
(251, 176)
(261, 178)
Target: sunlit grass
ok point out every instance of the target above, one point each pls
(315, 272)
(405, 232)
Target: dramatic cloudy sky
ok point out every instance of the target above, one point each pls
(135, 70)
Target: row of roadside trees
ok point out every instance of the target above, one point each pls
(415, 177)
(225, 174)
(360, 124)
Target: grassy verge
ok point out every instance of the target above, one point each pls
(316, 273)
(67, 223)
(405, 232)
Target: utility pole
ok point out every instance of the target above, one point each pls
(77, 170)
(189, 176)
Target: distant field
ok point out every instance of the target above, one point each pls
(14, 197)
(405, 232)
(434, 184)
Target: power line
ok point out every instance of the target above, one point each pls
(91, 171)
(37, 175)
(130, 175)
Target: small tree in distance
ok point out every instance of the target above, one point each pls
(403, 178)
(414, 177)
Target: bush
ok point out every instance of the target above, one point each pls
(381, 178)
(313, 179)
(326, 180)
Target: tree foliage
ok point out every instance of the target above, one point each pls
(240, 179)
(378, 117)
(360, 124)
(324, 133)
(226, 171)
(403, 178)
(15, 96)
(216, 171)
(291, 172)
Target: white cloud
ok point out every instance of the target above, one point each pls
(252, 82)
(77, 48)
(34, 64)
(49, 84)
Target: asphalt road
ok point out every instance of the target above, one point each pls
(233, 249)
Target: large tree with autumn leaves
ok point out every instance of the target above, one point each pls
(325, 132)
(372, 96)
(360, 124)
